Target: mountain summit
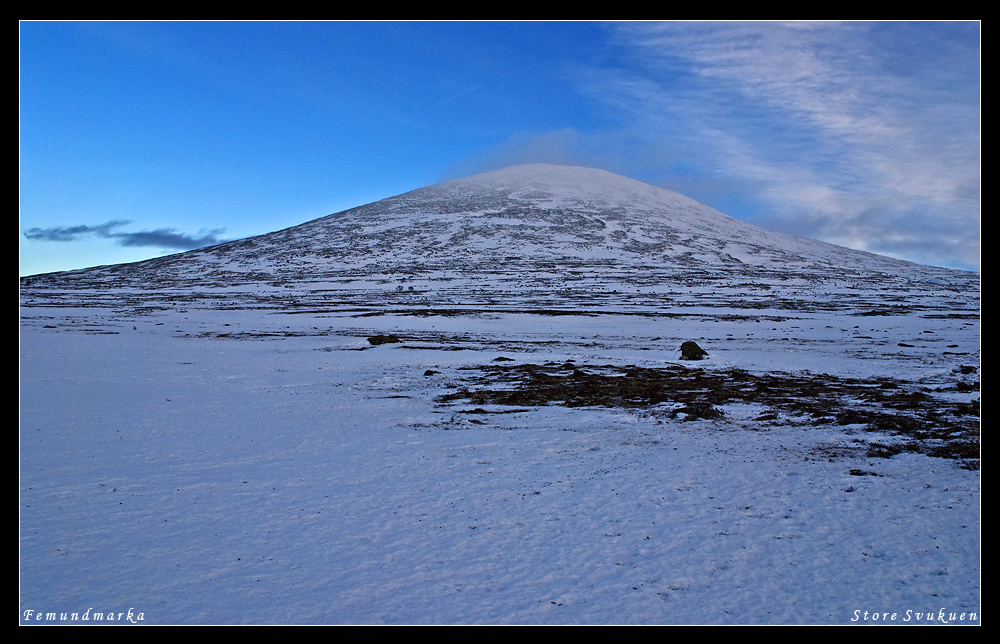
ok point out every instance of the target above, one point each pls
(542, 233)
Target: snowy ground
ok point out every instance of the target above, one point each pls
(196, 465)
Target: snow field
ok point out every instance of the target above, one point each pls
(301, 480)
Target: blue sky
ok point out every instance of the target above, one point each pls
(142, 139)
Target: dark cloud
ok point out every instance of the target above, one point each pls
(72, 233)
(169, 238)
(160, 238)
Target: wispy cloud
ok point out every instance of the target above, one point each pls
(161, 238)
(73, 233)
(863, 134)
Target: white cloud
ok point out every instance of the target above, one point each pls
(842, 131)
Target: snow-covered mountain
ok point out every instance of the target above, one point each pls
(468, 404)
(552, 234)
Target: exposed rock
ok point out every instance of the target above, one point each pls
(698, 410)
(383, 339)
(691, 351)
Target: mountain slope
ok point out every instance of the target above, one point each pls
(553, 235)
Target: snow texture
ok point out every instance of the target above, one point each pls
(212, 438)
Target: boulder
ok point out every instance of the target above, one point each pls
(691, 351)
